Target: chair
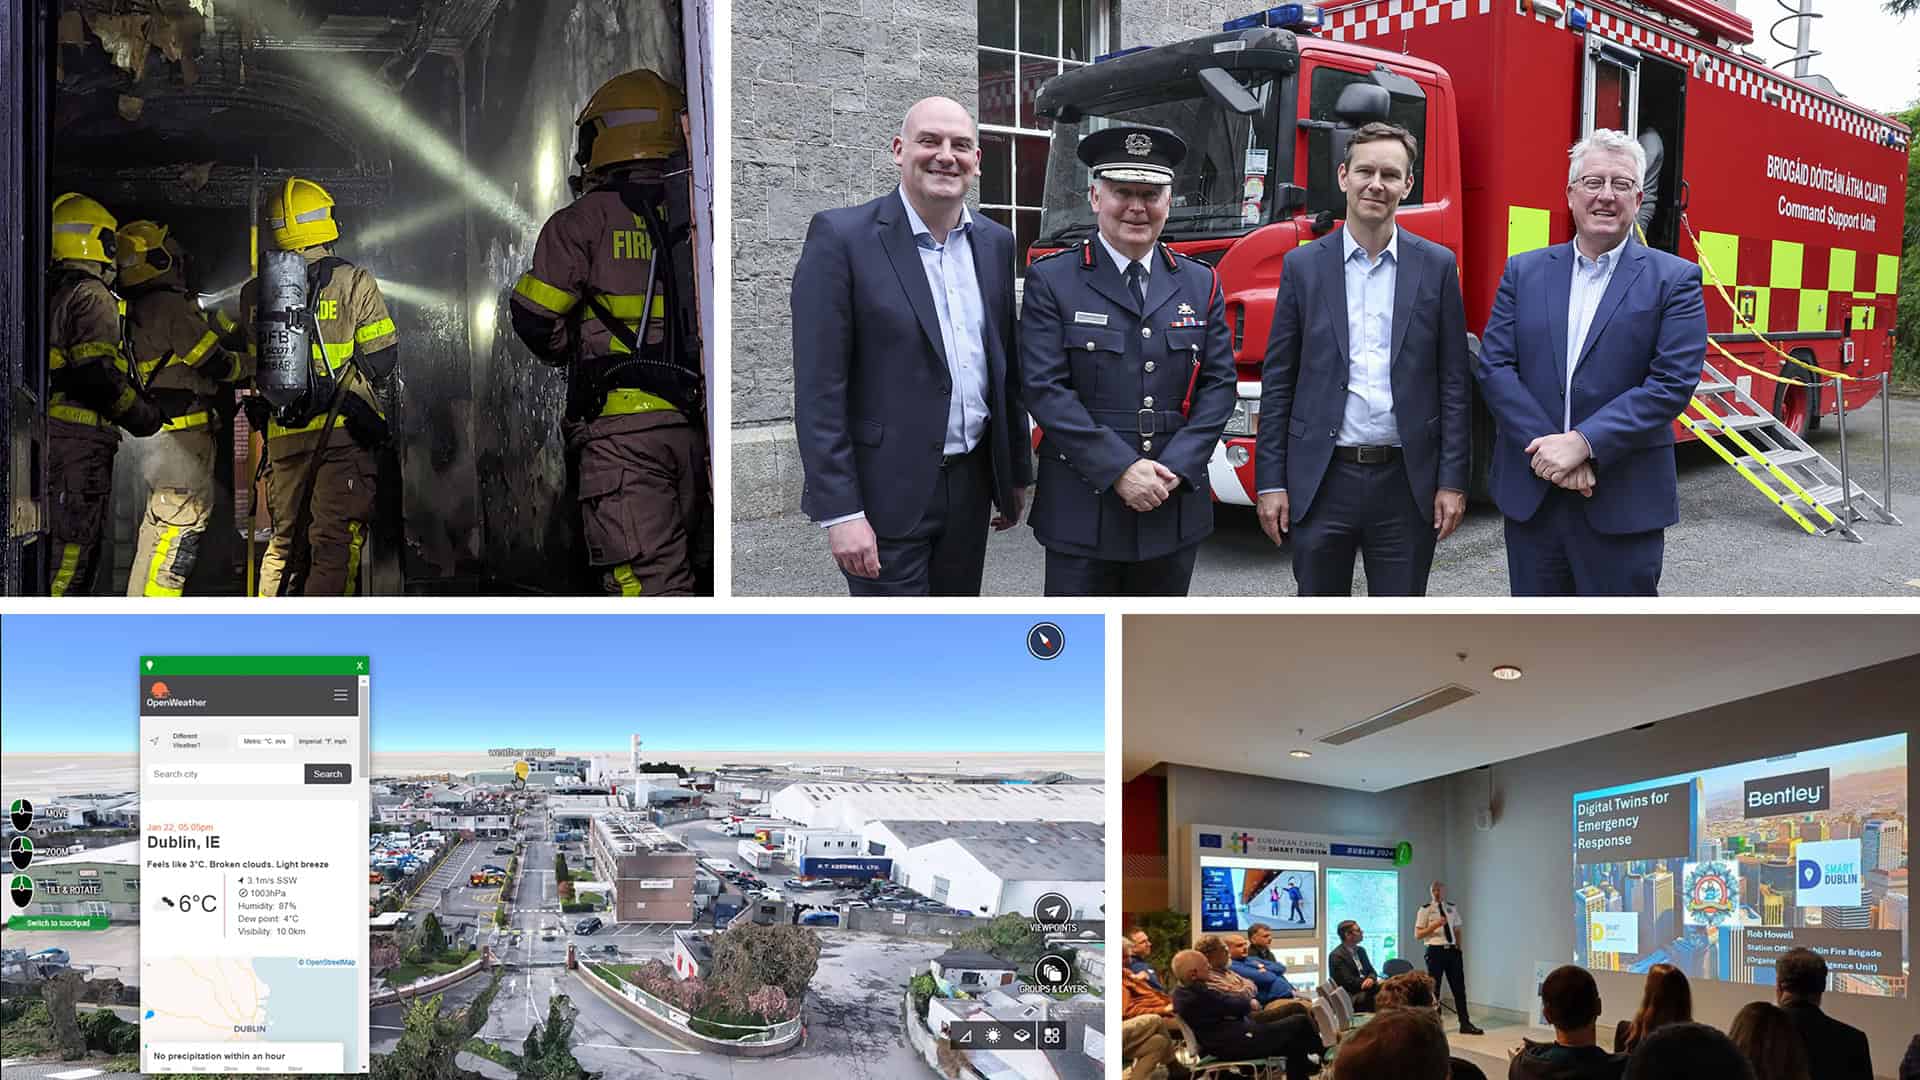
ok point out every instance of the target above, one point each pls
(1397, 966)
(1342, 1007)
(1200, 1065)
(1325, 1019)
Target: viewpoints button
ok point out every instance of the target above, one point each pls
(329, 774)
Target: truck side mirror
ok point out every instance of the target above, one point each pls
(1226, 91)
(1362, 103)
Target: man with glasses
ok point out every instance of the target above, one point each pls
(1592, 349)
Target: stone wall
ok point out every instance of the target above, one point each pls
(815, 107)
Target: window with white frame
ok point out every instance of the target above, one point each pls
(1023, 43)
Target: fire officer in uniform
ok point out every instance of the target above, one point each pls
(93, 394)
(1128, 369)
(320, 479)
(609, 296)
(180, 361)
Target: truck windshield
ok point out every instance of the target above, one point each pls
(1223, 185)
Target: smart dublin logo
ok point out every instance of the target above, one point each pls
(1829, 874)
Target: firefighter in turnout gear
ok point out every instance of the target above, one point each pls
(320, 477)
(93, 395)
(610, 297)
(179, 360)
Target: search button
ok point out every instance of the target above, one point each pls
(329, 774)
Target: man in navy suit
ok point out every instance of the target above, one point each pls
(1592, 350)
(1366, 397)
(906, 396)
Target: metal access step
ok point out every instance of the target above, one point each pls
(1817, 494)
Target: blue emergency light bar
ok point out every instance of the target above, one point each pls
(1299, 18)
(1104, 57)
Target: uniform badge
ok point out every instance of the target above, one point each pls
(1186, 309)
(1139, 145)
(1089, 318)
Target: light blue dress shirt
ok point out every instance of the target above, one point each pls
(1590, 278)
(1368, 419)
(963, 326)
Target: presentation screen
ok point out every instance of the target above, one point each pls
(1721, 871)
(1370, 898)
(1236, 893)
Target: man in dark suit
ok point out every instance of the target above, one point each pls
(1366, 397)
(906, 400)
(1350, 968)
(1223, 1024)
(1128, 369)
(1592, 350)
(1835, 1050)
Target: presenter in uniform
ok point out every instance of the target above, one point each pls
(1438, 925)
(1127, 367)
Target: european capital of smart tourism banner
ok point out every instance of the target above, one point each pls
(1719, 872)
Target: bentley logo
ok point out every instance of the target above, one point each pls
(1139, 145)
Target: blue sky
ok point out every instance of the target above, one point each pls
(684, 682)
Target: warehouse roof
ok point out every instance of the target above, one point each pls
(914, 833)
(1033, 859)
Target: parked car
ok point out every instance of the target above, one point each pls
(503, 849)
(588, 925)
(852, 904)
(489, 868)
(820, 918)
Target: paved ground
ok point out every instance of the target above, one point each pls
(1730, 541)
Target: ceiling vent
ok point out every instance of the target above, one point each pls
(1431, 701)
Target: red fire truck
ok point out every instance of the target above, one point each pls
(1790, 197)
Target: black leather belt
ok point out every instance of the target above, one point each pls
(1367, 455)
(1147, 422)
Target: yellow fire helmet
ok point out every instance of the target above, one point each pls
(301, 215)
(83, 229)
(145, 252)
(633, 117)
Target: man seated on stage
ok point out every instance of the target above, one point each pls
(1223, 1023)
(1571, 1001)
(1351, 969)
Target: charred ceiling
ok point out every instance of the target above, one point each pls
(175, 101)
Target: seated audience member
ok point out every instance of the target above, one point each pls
(1140, 957)
(1223, 1022)
(1687, 1052)
(1835, 1051)
(1269, 977)
(1770, 1042)
(1405, 1044)
(1910, 1065)
(1351, 970)
(1571, 1002)
(1408, 990)
(1666, 999)
(1228, 981)
(1147, 1027)
(1260, 942)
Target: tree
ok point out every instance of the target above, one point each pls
(559, 867)
(60, 994)
(428, 1044)
(1902, 8)
(547, 1053)
(749, 956)
(1009, 937)
(1906, 361)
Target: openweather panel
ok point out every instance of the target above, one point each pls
(254, 808)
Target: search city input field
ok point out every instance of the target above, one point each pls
(228, 773)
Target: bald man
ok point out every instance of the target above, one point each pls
(906, 400)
